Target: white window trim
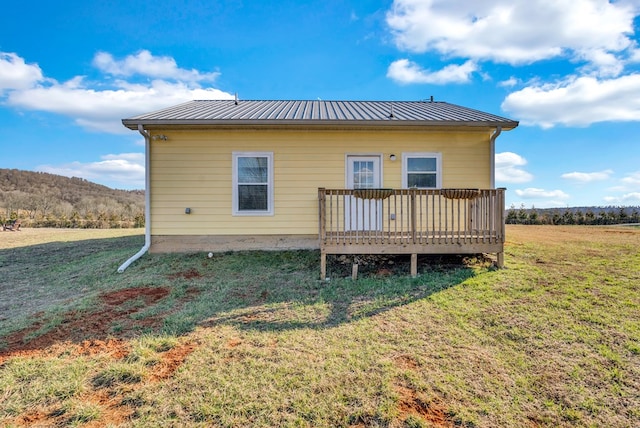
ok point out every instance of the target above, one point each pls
(270, 192)
(408, 155)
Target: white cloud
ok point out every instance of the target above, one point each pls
(510, 82)
(601, 63)
(626, 199)
(144, 63)
(513, 31)
(632, 180)
(577, 102)
(97, 108)
(125, 170)
(534, 193)
(543, 198)
(405, 71)
(588, 177)
(596, 36)
(629, 185)
(508, 168)
(16, 74)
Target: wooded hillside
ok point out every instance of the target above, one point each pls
(40, 199)
(575, 215)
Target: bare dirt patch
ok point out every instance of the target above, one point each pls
(406, 362)
(412, 404)
(171, 361)
(89, 334)
(87, 331)
(188, 274)
(114, 407)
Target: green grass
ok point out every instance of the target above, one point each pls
(552, 340)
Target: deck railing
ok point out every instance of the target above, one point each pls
(411, 221)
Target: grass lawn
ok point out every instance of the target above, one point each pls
(254, 339)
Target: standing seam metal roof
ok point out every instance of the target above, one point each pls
(229, 112)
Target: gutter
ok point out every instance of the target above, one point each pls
(493, 138)
(147, 202)
(311, 123)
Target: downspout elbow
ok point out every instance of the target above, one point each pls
(133, 258)
(496, 134)
(147, 202)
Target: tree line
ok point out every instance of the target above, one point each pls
(570, 216)
(47, 200)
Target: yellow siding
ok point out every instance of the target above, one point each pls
(194, 169)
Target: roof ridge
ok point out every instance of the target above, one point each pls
(425, 101)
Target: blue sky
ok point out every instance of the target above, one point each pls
(568, 70)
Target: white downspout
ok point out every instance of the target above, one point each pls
(147, 202)
(495, 135)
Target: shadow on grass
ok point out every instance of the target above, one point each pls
(77, 295)
(279, 291)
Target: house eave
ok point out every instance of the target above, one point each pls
(313, 124)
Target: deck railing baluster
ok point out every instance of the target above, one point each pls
(411, 221)
(421, 225)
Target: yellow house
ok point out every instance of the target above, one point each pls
(346, 177)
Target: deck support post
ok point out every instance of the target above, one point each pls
(323, 266)
(414, 265)
(500, 261)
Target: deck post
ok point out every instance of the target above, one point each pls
(501, 216)
(323, 265)
(414, 265)
(322, 213)
(501, 202)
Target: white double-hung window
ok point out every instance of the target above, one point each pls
(422, 170)
(252, 183)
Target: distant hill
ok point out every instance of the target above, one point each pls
(49, 200)
(68, 189)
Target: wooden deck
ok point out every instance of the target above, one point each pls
(411, 221)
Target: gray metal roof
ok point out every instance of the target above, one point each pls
(212, 113)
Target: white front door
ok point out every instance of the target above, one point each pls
(363, 172)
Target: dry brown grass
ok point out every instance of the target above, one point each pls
(30, 236)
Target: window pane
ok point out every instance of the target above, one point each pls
(252, 170)
(363, 174)
(421, 180)
(252, 198)
(421, 164)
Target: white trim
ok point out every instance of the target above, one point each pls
(234, 190)
(436, 155)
